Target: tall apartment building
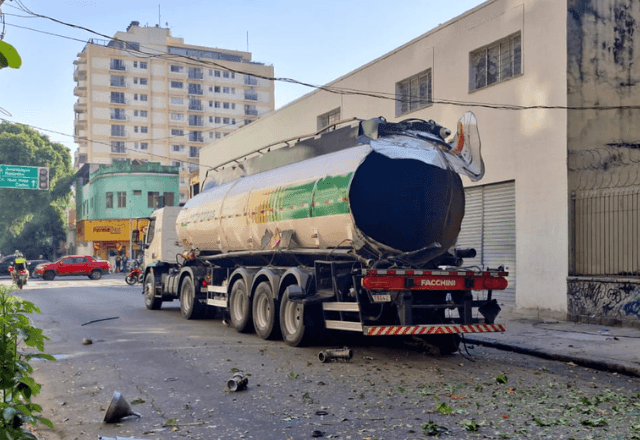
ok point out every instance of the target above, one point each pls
(146, 95)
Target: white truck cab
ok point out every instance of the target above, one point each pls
(161, 241)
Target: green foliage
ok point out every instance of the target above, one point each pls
(31, 220)
(470, 425)
(16, 385)
(501, 379)
(443, 408)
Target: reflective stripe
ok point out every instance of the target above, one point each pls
(395, 330)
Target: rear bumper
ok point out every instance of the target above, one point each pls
(447, 329)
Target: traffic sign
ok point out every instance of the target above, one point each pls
(21, 177)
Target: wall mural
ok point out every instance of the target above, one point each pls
(604, 302)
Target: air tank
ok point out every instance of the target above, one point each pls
(382, 189)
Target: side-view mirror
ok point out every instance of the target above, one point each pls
(135, 236)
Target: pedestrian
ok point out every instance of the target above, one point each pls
(118, 262)
(125, 261)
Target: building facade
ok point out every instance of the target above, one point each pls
(149, 96)
(112, 201)
(532, 71)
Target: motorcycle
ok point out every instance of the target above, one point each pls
(19, 277)
(135, 276)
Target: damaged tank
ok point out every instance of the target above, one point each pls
(387, 191)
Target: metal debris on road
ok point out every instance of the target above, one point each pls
(118, 409)
(98, 320)
(87, 341)
(328, 355)
(238, 382)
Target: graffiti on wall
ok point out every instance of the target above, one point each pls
(603, 301)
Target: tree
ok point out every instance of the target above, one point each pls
(34, 221)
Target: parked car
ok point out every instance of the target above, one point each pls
(32, 264)
(5, 263)
(74, 265)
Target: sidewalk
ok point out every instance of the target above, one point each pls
(613, 349)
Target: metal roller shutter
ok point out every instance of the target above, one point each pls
(489, 226)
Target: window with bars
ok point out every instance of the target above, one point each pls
(152, 199)
(118, 113)
(122, 199)
(169, 199)
(328, 118)
(117, 81)
(117, 147)
(109, 199)
(414, 93)
(117, 130)
(495, 63)
(117, 97)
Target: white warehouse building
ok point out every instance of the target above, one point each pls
(556, 128)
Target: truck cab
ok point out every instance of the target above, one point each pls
(161, 241)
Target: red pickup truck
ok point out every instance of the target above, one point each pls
(74, 265)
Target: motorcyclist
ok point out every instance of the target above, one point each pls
(20, 263)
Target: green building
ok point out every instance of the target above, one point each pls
(111, 198)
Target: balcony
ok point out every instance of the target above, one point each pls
(196, 107)
(79, 107)
(251, 112)
(79, 74)
(117, 66)
(195, 90)
(250, 96)
(81, 121)
(80, 91)
(193, 137)
(250, 81)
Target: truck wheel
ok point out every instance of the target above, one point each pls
(189, 306)
(150, 300)
(240, 307)
(49, 275)
(96, 274)
(300, 324)
(265, 312)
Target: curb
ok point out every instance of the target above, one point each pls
(596, 364)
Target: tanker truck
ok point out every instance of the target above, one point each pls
(350, 229)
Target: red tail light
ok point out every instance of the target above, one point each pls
(495, 283)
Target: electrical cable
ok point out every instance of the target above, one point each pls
(133, 150)
(326, 88)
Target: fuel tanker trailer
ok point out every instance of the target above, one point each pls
(350, 229)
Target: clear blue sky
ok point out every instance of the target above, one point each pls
(311, 41)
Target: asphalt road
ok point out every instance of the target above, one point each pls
(174, 373)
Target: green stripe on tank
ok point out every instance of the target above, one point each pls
(327, 196)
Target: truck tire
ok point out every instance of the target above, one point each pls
(266, 316)
(300, 324)
(96, 274)
(240, 307)
(190, 307)
(150, 300)
(49, 275)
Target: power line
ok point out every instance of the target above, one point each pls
(327, 88)
(133, 150)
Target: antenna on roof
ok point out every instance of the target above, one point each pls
(159, 21)
(247, 41)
